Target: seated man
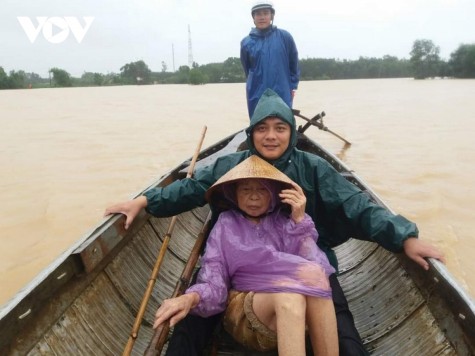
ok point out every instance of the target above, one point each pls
(339, 209)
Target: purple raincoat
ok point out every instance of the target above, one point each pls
(275, 255)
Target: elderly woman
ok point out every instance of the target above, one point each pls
(262, 266)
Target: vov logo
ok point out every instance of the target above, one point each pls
(55, 29)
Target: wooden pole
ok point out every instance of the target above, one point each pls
(160, 335)
(156, 269)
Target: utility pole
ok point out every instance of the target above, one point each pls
(190, 52)
(173, 57)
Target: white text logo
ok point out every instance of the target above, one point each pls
(55, 29)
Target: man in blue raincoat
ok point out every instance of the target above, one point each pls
(339, 209)
(269, 58)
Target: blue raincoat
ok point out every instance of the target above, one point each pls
(270, 60)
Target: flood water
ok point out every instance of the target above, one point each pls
(66, 154)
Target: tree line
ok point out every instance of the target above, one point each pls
(424, 62)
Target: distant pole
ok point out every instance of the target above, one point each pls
(173, 57)
(190, 52)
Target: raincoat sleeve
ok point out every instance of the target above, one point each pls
(300, 239)
(366, 219)
(293, 63)
(213, 280)
(245, 58)
(189, 193)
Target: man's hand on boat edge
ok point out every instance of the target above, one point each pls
(418, 250)
(414, 248)
(130, 209)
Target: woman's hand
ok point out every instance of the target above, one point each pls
(296, 199)
(129, 208)
(175, 309)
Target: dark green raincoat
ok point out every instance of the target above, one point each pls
(340, 210)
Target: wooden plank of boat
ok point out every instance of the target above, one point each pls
(85, 303)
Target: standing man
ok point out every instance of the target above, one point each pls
(269, 58)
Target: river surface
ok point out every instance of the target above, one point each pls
(66, 154)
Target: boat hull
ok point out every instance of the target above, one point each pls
(86, 302)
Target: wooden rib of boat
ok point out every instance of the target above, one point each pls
(85, 303)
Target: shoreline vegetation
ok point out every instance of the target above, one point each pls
(424, 63)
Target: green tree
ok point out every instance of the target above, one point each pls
(162, 77)
(232, 71)
(111, 79)
(214, 72)
(425, 59)
(4, 82)
(392, 67)
(136, 73)
(98, 79)
(183, 75)
(17, 79)
(462, 61)
(61, 78)
(164, 67)
(308, 69)
(92, 79)
(34, 78)
(197, 77)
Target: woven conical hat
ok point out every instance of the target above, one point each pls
(252, 167)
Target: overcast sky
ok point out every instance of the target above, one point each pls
(127, 31)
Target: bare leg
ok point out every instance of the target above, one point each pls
(321, 321)
(284, 313)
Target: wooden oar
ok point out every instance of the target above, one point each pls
(153, 277)
(315, 121)
(160, 335)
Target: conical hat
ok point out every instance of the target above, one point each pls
(252, 167)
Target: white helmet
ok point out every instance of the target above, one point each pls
(259, 5)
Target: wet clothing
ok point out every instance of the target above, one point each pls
(274, 255)
(339, 209)
(270, 60)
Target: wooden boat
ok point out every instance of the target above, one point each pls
(85, 303)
